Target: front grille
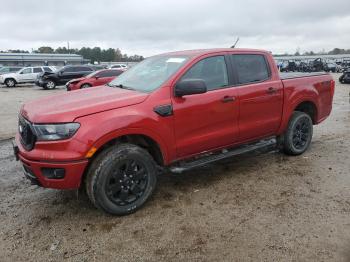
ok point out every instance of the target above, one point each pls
(26, 133)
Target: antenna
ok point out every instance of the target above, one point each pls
(235, 43)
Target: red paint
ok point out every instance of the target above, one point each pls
(199, 122)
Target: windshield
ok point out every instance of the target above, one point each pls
(150, 74)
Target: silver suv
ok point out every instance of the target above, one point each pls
(25, 75)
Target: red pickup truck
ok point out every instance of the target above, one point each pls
(174, 111)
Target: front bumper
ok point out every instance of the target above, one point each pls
(72, 86)
(35, 171)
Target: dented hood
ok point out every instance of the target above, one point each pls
(70, 105)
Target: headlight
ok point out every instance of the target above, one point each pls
(55, 131)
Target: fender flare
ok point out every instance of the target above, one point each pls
(135, 131)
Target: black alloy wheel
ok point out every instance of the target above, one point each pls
(301, 133)
(127, 182)
(121, 179)
(298, 135)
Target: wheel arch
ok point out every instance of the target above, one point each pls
(11, 77)
(142, 140)
(145, 141)
(309, 108)
(85, 83)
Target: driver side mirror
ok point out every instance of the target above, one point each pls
(190, 87)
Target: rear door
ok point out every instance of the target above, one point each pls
(260, 96)
(36, 72)
(206, 121)
(67, 74)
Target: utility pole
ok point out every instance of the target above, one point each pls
(68, 47)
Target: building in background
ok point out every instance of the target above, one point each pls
(34, 59)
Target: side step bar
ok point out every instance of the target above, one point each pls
(225, 153)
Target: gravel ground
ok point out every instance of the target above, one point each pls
(256, 207)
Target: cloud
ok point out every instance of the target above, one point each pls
(150, 27)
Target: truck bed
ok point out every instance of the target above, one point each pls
(291, 75)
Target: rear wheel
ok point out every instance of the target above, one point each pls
(50, 85)
(10, 82)
(298, 136)
(85, 86)
(121, 179)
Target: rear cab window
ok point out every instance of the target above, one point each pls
(250, 68)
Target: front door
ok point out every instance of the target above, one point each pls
(25, 75)
(206, 121)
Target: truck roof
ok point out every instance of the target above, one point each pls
(198, 52)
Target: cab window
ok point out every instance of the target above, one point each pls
(211, 70)
(27, 71)
(37, 69)
(250, 68)
(109, 73)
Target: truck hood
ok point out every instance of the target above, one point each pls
(68, 106)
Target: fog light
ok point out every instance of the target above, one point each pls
(53, 173)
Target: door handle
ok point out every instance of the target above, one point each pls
(227, 99)
(271, 90)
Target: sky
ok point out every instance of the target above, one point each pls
(147, 28)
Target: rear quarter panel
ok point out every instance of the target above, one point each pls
(315, 89)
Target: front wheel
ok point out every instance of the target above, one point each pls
(298, 136)
(10, 82)
(121, 179)
(85, 86)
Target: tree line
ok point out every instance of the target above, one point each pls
(95, 54)
(334, 51)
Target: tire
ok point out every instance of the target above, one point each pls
(85, 86)
(341, 79)
(10, 82)
(50, 85)
(298, 136)
(121, 179)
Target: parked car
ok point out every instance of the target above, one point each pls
(330, 67)
(9, 69)
(25, 75)
(49, 80)
(119, 66)
(97, 78)
(345, 77)
(174, 111)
